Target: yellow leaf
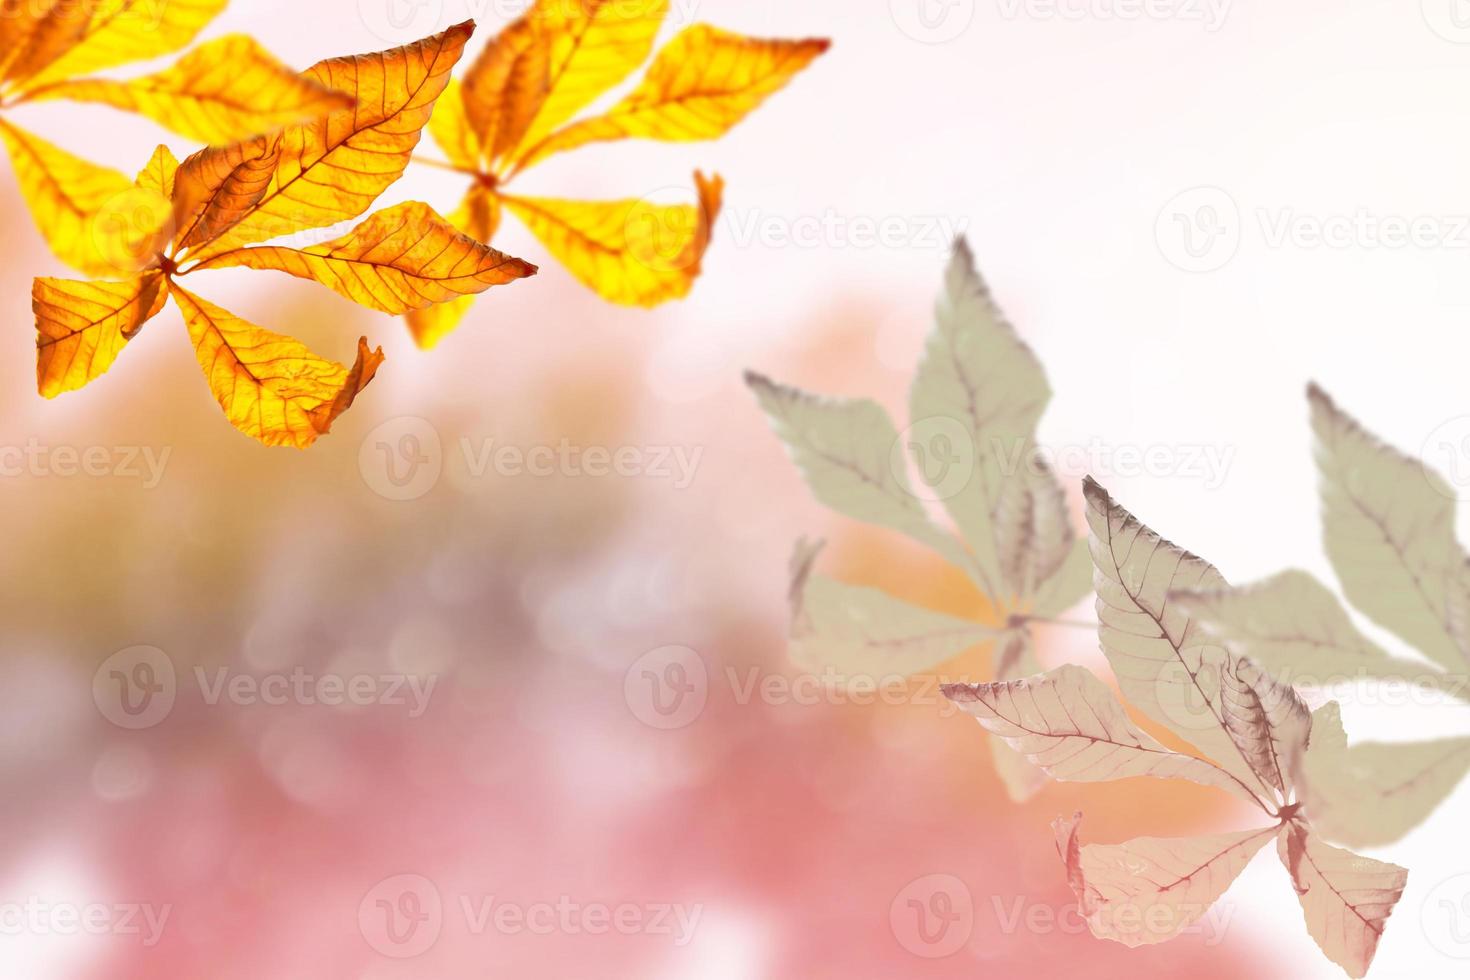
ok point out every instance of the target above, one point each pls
(505, 87)
(82, 326)
(332, 169)
(37, 32)
(226, 90)
(67, 196)
(404, 258)
(632, 252)
(590, 45)
(450, 126)
(121, 31)
(699, 87)
(160, 173)
(272, 388)
(217, 188)
(478, 216)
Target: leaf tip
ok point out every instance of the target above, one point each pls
(961, 693)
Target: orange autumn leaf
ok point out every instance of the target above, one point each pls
(405, 258)
(161, 173)
(271, 387)
(589, 46)
(637, 253)
(504, 87)
(226, 90)
(82, 326)
(66, 194)
(529, 83)
(703, 84)
(477, 216)
(452, 130)
(219, 187)
(221, 91)
(80, 36)
(332, 169)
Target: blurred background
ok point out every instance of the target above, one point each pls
(425, 713)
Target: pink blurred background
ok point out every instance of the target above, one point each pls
(792, 833)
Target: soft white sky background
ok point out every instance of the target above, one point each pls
(1057, 142)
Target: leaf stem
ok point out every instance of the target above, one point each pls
(444, 165)
(1070, 623)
